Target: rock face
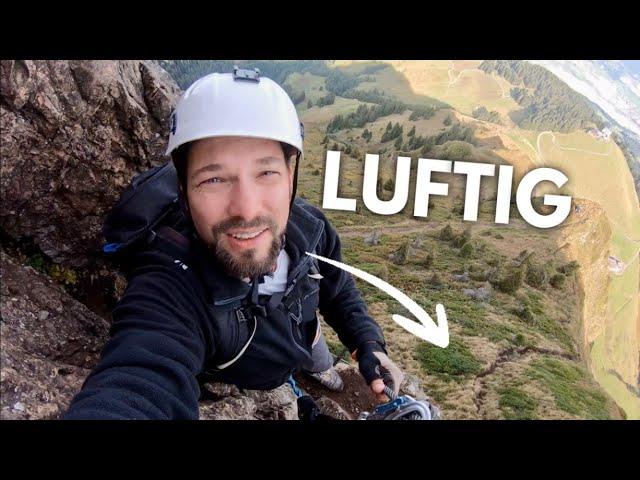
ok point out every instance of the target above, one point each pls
(227, 402)
(72, 134)
(49, 343)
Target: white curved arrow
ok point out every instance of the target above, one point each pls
(426, 329)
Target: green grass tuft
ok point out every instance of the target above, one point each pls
(516, 404)
(456, 362)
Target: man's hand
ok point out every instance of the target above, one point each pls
(378, 370)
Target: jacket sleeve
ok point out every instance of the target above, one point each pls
(148, 367)
(341, 303)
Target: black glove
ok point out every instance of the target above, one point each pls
(374, 363)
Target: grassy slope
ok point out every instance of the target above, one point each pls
(526, 385)
(583, 159)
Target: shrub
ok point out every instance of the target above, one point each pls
(435, 280)
(446, 234)
(536, 275)
(510, 280)
(466, 250)
(557, 281)
(460, 239)
(493, 262)
(525, 313)
(478, 274)
(458, 208)
(569, 268)
(401, 256)
(63, 275)
(37, 262)
(428, 261)
(457, 150)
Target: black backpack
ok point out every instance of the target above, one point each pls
(149, 207)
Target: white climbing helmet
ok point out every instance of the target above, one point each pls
(242, 104)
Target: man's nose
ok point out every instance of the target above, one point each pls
(244, 202)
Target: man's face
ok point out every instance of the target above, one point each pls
(239, 191)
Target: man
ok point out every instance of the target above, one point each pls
(240, 305)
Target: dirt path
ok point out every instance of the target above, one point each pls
(416, 226)
(453, 79)
(555, 144)
(502, 92)
(508, 355)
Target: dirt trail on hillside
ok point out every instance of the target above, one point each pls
(417, 226)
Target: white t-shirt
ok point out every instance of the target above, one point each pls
(277, 281)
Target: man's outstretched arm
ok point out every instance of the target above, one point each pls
(148, 367)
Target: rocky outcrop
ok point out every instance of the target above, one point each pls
(49, 343)
(72, 134)
(226, 402)
(585, 238)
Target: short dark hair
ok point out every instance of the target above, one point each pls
(180, 156)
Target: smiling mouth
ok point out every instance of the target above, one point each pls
(247, 235)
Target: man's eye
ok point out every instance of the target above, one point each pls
(212, 180)
(269, 173)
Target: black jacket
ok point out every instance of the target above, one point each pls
(178, 322)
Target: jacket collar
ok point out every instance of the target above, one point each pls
(302, 235)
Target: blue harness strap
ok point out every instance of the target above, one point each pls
(297, 391)
(111, 247)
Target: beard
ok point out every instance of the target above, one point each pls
(245, 264)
